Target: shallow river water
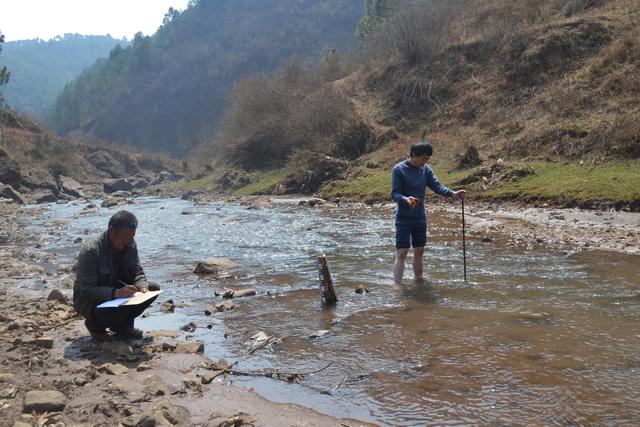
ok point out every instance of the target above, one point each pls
(533, 337)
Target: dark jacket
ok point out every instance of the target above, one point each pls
(95, 279)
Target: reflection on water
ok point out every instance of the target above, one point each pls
(532, 338)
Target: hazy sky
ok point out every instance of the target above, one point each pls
(30, 19)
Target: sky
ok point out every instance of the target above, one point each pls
(44, 19)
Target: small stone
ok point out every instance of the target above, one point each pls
(210, 310)
(208, 377)
(8, 393)
(44, 342)
(143, 367)
(6, 377)
(190, 347)
(244, 293)
(80, 381)
(189, 327)
(361, 289)
(168, 306)
(56, 295)
(43, 401)
(319, 334)
(225, 306)
(113, 369)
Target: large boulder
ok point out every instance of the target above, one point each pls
(114, 185)
(42, 196)
(70, 186)
(8, 192)
(9, 171)
(214, 266)
(163, 178)
(39, 179)
(104, 161)
(320, 170)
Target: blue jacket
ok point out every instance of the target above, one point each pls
(408, 180)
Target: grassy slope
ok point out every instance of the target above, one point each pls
(587, 99)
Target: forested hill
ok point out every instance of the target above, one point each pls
(40, 69)
(167, 91)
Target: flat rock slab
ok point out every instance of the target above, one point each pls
(43, 401)
(113, 369)
(164, 334)
(190, 347)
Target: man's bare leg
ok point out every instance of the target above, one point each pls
(398, 265)
(417, 263)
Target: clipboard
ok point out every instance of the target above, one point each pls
(137, 298)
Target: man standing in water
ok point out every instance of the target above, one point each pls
(109, 268)
(409, 180)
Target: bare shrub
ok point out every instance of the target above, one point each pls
(414, 33)
(269, 117)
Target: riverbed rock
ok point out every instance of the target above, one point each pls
(114, 185)
(214, 266)
(189, 327)
(239, 293)
(168, 306)
(225, 306)
(164, 334)
(43, 401)
(44, 342)
(190, 347)
(56, 295)
(7, 192)
(362, 289)
(8, 392)
(70, 186)
(113, 369)
(318, 334)
(6, 377)
(9, 170)
(112, 202)
(42, 196)
(163, 178)
(105, 162)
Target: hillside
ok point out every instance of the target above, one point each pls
(36, 166)
(40, 69)
(167, 92)
(532, 103)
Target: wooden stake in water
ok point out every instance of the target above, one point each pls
(464, 244)
(327, 293)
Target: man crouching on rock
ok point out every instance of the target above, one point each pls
(109, 268)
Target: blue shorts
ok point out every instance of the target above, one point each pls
(411, 234)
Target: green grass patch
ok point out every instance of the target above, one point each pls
(196, 184)
(611, 181)
(263, 182)
(369, 184)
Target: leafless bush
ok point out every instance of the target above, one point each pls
(269, 117)
(414, 33)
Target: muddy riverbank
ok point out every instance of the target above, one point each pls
(54, 374)
(161, 378)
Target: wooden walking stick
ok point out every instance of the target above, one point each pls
(464, 243)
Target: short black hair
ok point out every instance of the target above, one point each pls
(421, 148)
(123, 219)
